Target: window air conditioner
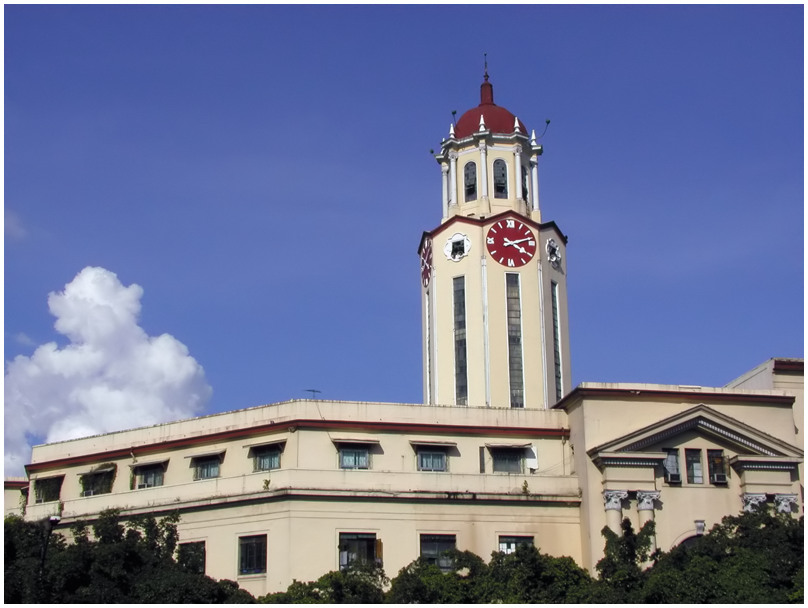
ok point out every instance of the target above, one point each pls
(718, 478)
(674, 478)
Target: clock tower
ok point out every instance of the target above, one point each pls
(493, 275)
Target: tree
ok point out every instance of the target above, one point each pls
(620, 571)
(750, 558)
(132, 563)
(360, 583)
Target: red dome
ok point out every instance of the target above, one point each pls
(497, 119)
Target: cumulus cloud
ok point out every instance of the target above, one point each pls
(110, 376)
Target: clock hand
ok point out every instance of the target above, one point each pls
(507, 242)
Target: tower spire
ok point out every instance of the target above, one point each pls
(486, 88)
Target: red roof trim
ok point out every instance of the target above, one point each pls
(789, 366)
(438, 429)
(685, 395)
(15, 484)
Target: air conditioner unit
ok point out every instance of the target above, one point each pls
(674, 478)
(88, 493)
(718, 478)
(140, 486)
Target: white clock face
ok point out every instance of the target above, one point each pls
(457, 247)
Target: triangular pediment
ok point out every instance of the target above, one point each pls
(707, 422)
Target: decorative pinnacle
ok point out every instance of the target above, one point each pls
(516, 125)
(482, 123)
(451, 131)
(533, 137)
(485, 72)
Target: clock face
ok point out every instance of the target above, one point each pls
(511, 243)
(426, 262)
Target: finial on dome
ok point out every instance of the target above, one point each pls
(516, 125)
(533, 137)
(482, 123)
(451, 130)
(486, 88)
(485, 73)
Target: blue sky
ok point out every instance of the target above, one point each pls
(263, 174)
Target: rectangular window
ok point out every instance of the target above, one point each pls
(252, 554)
(461, 378)
(267, 458)
(514, 311)
(354, 457)
(356, 547)
(48, 490)
(508, 544)
(671, 465)
(431, 460)
(149, 476)
(93, 484)
(191, 556)
(694, 470)
(434, 549)
(206, 467)
(559, 386)
(508, 460)
(717, 467)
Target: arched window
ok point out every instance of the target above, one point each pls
(500, 179)
(470, 181)
(524, 183)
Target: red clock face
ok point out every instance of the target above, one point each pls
(511, 243)
(426, 262)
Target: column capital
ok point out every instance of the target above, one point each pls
(785, 503)
(613, 499)
(444, 167)
(453, 155)
(482, 145)
(752, 501)
(517, 149)
(645, 500)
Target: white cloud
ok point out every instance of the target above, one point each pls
(111, 376)
(12, 226)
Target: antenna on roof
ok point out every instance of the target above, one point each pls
(485, 59)
(546, 125)
(314, 392)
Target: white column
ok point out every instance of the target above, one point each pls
(534, 179)
(613, 503)
(444, 169)
(752, 501)
(785, 503)
(517, 163)
(645, 510)
(453, 177)
(483, 171)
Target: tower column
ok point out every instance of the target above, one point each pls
(534, 178)
(613, 503)
(444, 169)
(453, 177)
(517, 163)
(483, 171)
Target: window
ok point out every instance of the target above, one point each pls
(97, 482)
(671, 465)
(559, 386)
(267, 457)
(252, 554)
(500, 179)
(508, 460)
(206, 467)
(461, 379)
(694, 470)
(191, 556)
(514, 311)
(431, 460)
(717, 467)
(48, 490)
(470, 181)
(149, 476)
(357, 547)
(354, 457)
(508, 544)
(434, 548)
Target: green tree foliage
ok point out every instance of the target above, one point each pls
(750, 558)
(132, 563)
(358, 584)
(620, 572)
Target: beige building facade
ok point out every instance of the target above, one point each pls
(502, 451)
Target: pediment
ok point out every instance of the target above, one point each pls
(705, 421)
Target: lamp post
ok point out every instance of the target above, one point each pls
(47, 525)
